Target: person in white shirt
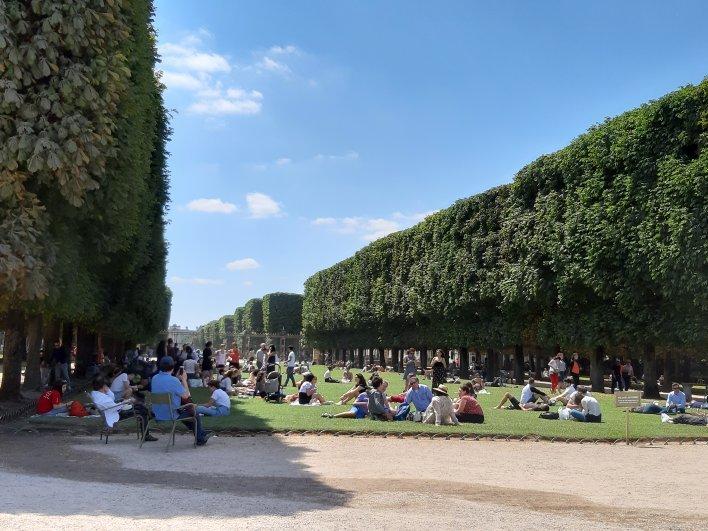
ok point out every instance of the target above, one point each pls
(290, 369)
(556, 367)
(104, 399)
(441, 409)
(120, 386)
(589, 410)
(566, 396)
(190, 367)
(220, 357)
(219, 404)
(261, 354)
(527, 401)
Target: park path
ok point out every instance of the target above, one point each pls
(340, 482)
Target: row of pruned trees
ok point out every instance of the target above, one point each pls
(601, 247)
(83, 180)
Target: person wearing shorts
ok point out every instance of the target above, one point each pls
(359, 409)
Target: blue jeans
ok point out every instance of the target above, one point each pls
(213, 411)
(290, 376)
(57, 411)
(582, 417)
(61, 372)
(190, 424)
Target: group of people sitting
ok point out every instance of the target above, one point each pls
(432, 406)
(575, 400)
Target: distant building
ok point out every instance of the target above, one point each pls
(181, 335)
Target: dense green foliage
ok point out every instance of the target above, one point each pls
(253, 315)
(282, 311)
(604, 242)
(83, 169)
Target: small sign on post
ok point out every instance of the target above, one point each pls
(627, 400)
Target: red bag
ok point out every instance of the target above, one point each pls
(77, 409)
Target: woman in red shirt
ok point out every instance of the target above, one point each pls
(467, 409)
(50, 403)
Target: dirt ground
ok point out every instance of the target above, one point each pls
(56, 481)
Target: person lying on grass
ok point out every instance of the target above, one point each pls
(527, 401)
(219, 404)
(328, 378)
(379, 408)
(359, 409)
(360, 386)
(467, 409)
(441, 410)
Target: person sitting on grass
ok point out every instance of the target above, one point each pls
(165, 383)
(478, 385)
(676, 400)
(359, 409)
(227, 382)
(328, 375)
(308, 391)
(527, 400)
(566, 396)
(360, 386)
(104, 399)
(441, 410)
(378, 404)
(588, 410)
(347, 375)
(419, 395)
(219, 404)
(50, 403)
(467, 409)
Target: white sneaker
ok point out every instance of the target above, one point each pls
(666, 418)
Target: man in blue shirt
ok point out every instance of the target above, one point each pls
(418, 395)
(164, 382)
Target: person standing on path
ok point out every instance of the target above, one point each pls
(290, 369)
(61, 363)
(555, 367)
(439, 369)
(409, 368)
(207, 363)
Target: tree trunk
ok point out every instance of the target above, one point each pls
(34, 343)
(382, 357)
(492, 365)
(86, 351)
(597, 373)
(464, 363)
(669, 371)
(423, 358)
(651, 388)
(519, 364)
(537, 364)
(360, 356)
(371, 356)
(351, 355)
(15, 330)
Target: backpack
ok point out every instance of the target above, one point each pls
(549, 415)
(77, 409)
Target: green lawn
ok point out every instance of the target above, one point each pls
(256, 414)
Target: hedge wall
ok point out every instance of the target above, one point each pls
(604, 242)
(282, 311)
(253, 315)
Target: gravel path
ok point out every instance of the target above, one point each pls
(58, 482)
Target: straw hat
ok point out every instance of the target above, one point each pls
(441, 390)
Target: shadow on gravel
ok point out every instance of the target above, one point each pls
(259, 467)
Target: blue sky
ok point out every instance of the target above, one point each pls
(305, 129)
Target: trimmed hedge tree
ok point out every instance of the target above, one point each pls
(282, 311)
(603, 243)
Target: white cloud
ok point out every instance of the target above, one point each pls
(284, 50)
(271, 65)
(283, 161)
(211, 206)
(243, 264)
(261, 205)
(196, 281)
(349, 155)
(247, 283)
(181, 80)
(204, 73)
(370, 229)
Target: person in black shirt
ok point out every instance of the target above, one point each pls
(271, 361)
(60, 356)
(207, 363)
